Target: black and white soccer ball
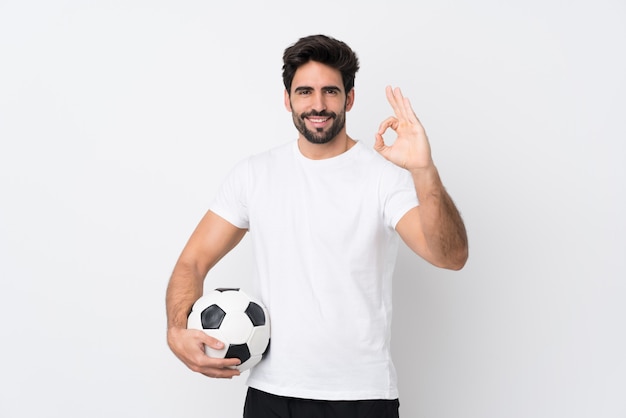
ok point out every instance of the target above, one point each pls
(236, 319)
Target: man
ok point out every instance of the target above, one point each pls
(324, 215)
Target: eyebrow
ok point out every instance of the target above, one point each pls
(305, 88)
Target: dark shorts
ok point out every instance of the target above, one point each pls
(265, 405)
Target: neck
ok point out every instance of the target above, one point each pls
(333, 148)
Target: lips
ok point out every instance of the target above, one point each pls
(317, 121)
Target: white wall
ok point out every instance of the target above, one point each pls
(118, 120)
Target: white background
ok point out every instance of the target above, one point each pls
(118, 119)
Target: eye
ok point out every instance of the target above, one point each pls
(332, 92)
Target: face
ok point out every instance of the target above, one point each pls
(318, 102)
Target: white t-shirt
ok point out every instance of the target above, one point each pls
(325, 247)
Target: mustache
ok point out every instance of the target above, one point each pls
(323, 114)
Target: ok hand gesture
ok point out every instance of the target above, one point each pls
(411, 149)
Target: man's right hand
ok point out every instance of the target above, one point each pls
(188, 346)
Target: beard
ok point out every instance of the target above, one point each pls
(320, 136)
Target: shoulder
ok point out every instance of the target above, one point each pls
(262, 159)
(278, 152)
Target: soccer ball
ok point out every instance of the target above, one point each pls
(239, 321)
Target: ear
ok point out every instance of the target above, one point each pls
(350, 100)
(287, 101)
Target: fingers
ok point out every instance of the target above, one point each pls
(191, 346)
(223, 368)
(394, 97)
(379, 143)
(390, 122)
(400, 105)
(214, 366)
(220, 368)
(208, 340)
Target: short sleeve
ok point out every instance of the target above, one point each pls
(231, 200)
(398, 194)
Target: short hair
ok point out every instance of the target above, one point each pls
(322, 49)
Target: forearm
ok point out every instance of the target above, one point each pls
(442, 224)
(212, 239)
(184, 288)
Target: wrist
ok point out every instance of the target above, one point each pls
(427, 182)
(425, 175)
(173, 334)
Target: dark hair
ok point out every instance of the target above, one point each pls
(322, 49)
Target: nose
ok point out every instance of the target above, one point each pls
(318, 103)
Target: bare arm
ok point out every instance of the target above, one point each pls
(434, 229)
(212, 239)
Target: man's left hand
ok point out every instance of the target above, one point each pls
(411, 149)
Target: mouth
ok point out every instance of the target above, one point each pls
(318, 121)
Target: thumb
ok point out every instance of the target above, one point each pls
(379, 145)
(207, 340)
